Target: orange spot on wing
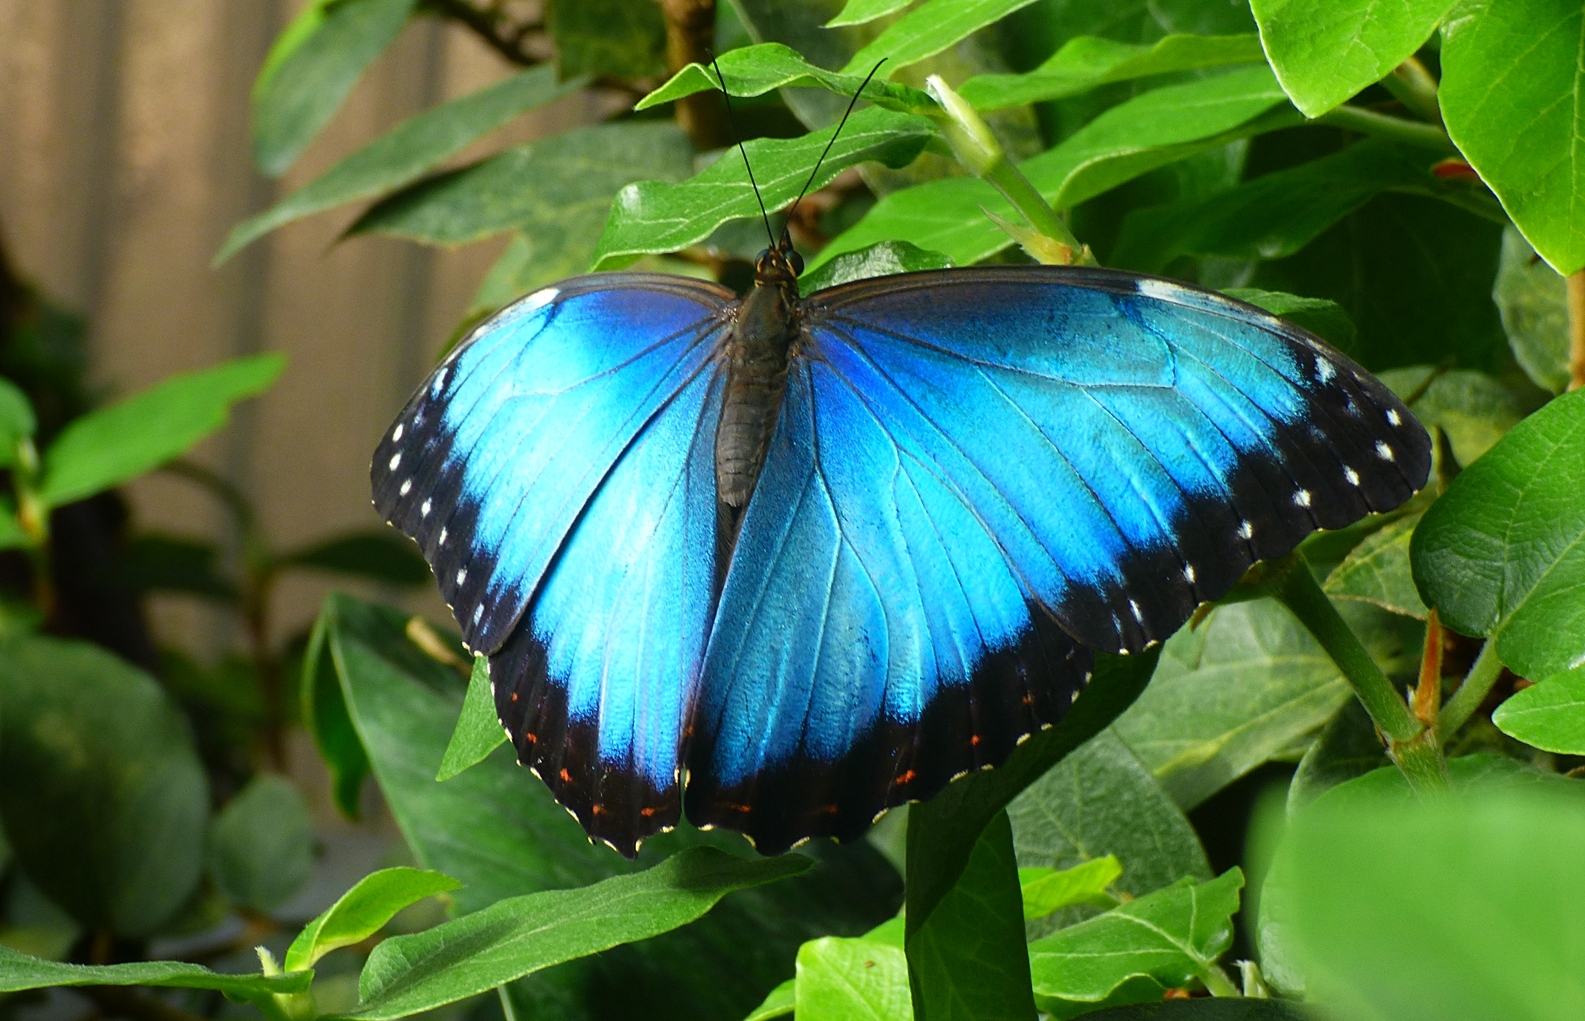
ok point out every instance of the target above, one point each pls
(646, 811)
(741, 808)
(975, 740)
(597, 809)
(514, 696)
(530, 736)
(907, 777)
(566, 777)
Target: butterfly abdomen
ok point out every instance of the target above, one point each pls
(757, 351)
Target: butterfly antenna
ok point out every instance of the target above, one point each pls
(732, 126)
(851, 103)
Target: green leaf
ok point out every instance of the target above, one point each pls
(261, 845)
(12, 535)
(608, 37)
(1089, 61)
(1172, 936)
(927, 30)
(17, 421)
(1348, 747)
(1229, 695)
(755, 70)
(19, 971)
(299, 92)
(303, 25)
(104, 801)
(405, 152)
(849, 980)
(1471, 407)
(478, 730)
(1500, 555)
(380, 555)
(1048, 890)
(653, 217)
(783, 1000)
(556, 192)
(1324, 53)
(165, 563)
(877, 260)
(1533, 302)
(858, 12)
(112, 445)
(1451, 908)
(324, 711)
(1549, 715)
(521, 935)
(1206, 1009)
(1377, 571)
(363, 911)
(1511, 78)
(1322, 317)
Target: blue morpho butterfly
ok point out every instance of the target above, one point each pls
(813, 558)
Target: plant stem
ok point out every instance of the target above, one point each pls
(1217, 982)
(1368, 122)
(1477, 685)
(1411, 83)
(1410, 743)
(1428, 693)
(690, 39)
(1576, 329)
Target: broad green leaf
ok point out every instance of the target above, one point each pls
(652, 216)
(1088, 61)
(851, 980)
(1348, 747)
(1377, 571)
(611, 37)
(927, 30)
(19, 971)
(324, 712)
(168, 563)
(857, 12)
(104, 800)
(1549, 715)
(1455, 908)
(303, 25)
(756, 70)
(1511, 80)
(363, 911)
(1172, 936)
(1326, 319)
(1229, 695)
(521, 935)
(302, 90)
(556, 191)
(478, 730)
(1471, 407)
(1533, 302)
(112, 445)
(1206, 1009)
(783, 1000)
(1325, 52)
(878, 260)
(261, 845)
(17, 421)
(1048, 890)
(405, 152)
(12, 535)
(1502, 553)
(379, 555)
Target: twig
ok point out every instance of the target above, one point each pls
(1477, 685)
(1368, 122)
(690, 39)
(510, 40)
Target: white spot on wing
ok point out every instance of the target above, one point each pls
(1326, 369)
(1351, 475)
(440, 380)
(423, 510)
(462, 573)
(1383, 451)
(396, 459)
(1188, 573)
(538, 300)
(1246, 530)
(442, 541)
(396, 434)
(1302, 498)
(1393, 416)
(407, 487)
(478, 612)
(1160, 289)
(1137, 615)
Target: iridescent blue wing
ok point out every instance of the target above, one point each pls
(978, 467)
(557, 472)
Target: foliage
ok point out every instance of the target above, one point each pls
(1399, 179)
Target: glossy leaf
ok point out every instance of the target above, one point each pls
(857, 12)
(104, 801)
(1324, 53)
(1501, 555)
(363, 911)
(612, 37)
(783, 1000)
(1048, 890)
(851, 980)
(1549, 715)
(1348, 747)
(378, 555)
(1089, 61)
(878, 260)
(1377, 571)
(17, 421)
(652, 217)
(324, 711)
(1511, 78)
(18, 971)
(407, 151)
(302, 90)
(1533, 302)
(1321, 316)
(478, 731)
(261, 845)
(112, 445)
(521, 935)
(755, 70)
(927, 30)
(1471, 407)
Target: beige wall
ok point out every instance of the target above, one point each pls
(124, 160)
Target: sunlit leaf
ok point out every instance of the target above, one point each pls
(1549, 715)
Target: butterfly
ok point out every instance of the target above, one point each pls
(810, 558)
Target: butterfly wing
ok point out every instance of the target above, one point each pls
(978, 468)
(557, 472)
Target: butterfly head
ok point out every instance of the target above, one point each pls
(779, 265)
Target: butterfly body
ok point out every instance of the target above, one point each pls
(939, 492)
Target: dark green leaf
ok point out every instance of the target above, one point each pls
(300, 92)
(17, 421)
(521, 935)
(1213, 1009)
(379, 555)
(325, 713)
(1088, 61)
(857, 12)
(261, 845)
(756, 70)
(171, 564)
(19, 971)
(848, 980)
(1377, 571)
(652, 216)
(478, 731)
(1533, 302)
(927, 30)
(1347, 748)
(1326, 319)
(405, 152)
(1471, 407)
(363, 911)
(875, 261)
(115, 444)
(783, 1000)
(1326, 52)
(1511, 80)
(104, 800)
(12, 535)
(624, 38)
(1048, 890)
(1549, 715)
(1501, 554)
(297, 31)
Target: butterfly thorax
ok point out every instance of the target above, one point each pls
(758, 348)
